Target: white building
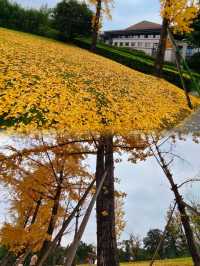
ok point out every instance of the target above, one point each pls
(145, 36)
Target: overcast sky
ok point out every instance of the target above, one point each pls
(148, 192)
(125, 12)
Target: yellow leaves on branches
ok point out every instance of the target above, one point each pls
(180, 13)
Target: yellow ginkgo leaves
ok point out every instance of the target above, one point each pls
(50, 85)
(180, 13)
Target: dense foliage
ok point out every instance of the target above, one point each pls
(69, 18)
(194, 62)
(72, 18)
(13, 16)
(194, 37)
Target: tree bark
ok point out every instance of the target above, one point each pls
(185, 220)
(66, 223)
(96, 25)
(160, 57)
(74, 246)
(53, 219)
(107, 254)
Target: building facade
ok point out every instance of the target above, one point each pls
(145, 36)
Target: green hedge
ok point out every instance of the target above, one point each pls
(141, 63)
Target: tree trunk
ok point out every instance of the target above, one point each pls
(53, 220)
(66, 223)
(96, 25)
(160, 57)
(75, 233)
(185, 220)
(105, 207)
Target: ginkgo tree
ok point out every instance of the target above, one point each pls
(45, 185)
(101, 7)
(178, 16)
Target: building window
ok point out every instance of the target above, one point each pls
(121, 44)
(155, 45)
(115, 44)
(133, 44)
(146, 36)
(147, 45)
(127, 44)
(139, 44)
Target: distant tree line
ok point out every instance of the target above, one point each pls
(68, 19)
(57, 257)
(174, 244)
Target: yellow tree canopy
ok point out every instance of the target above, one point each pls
(45, 84)
(106, 6)
(32, 177)
(180, 13)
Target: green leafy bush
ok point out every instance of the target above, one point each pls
(194, 62)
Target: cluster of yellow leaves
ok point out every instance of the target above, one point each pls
(45, 84)
(17, 238)
(107, 5)
(180, 13)
(33, 178)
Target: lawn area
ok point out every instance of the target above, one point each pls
(174, 262)
(137, 60)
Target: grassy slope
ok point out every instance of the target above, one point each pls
(32, 68)
(136, 60)
(134, 54)
(174, 262)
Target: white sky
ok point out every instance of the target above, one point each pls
(125, 12)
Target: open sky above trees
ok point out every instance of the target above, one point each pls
(122, 14)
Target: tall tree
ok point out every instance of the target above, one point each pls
(176, 14)
(185, 219)
(101, 6)
(43, 183)
(105, 207)
(152, 240)
(72, 19)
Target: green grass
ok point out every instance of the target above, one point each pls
(174, 262)
(137, 60)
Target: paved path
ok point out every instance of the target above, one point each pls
(191, 124)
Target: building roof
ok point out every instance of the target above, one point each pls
(145, 25)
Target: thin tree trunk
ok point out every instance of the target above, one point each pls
(160, 57)
(179, 68)
(75, 233)
(52, 245)
(107, 254)
(53, 219)
(182, 209)
(163, 236)
(73, 248)
(96, 25)
(36, 211)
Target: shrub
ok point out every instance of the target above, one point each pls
(194, 62)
